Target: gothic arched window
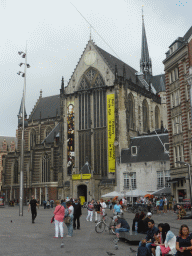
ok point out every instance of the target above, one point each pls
(157, 117)
(47, 131)
(91, 79)
(15, 172)
(32, 139)
(45, 177)
(130, 109)
(145, 108)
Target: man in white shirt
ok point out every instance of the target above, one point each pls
(165, 205)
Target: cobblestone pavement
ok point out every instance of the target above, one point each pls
(19, 236)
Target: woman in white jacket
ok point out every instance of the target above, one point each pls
(169, 240)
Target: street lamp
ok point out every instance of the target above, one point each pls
(23, 55)
(189, 173)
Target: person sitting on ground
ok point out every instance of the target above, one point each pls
(141, 225)
(121, 225)
(184, 242)
(146, 220)
(152, 231)
(117, 208)
(168, 243)
(135, 220)
(182, 212)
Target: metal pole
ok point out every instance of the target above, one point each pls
(22, 144)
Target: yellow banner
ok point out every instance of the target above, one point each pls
(111, 131)
(81, 176)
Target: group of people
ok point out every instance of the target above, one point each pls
(161, 240)
(140, 222)
(99, 208)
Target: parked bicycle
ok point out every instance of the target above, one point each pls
(105, 222)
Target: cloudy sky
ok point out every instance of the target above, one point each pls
(56, 36)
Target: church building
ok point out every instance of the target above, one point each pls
(74, 139)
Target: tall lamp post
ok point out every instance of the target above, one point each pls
(24, 56)
(189, 174)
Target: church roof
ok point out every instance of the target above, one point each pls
(47, 107)
(144, 46)
(112, 61)
(8, 140)
(158, 83)
(149, 148)
(51, 136)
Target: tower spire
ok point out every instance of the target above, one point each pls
(20, 114)
(145, 62)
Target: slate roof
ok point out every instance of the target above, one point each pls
(112, 61)
(47, 106)
(158, 83)
(54, 133)
(149, 148)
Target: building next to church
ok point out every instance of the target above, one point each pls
(73, 140)
(7, 145)
(145, 165)
(177, 65)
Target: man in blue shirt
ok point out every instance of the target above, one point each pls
(161, 204)
(121, 226)
(150, 236)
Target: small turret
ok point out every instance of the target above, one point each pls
(20, 116)
(62, 86)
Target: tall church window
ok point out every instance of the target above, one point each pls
(70, 139)
(45, 168)
(157, 117)
(15, 172)
(92, 80)
(32, 139)
(130, 109)
(145, 108)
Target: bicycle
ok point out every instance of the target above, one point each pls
(105, 222)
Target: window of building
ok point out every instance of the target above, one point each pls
(184, 67)
(186, 92)
(15, 172)
(145, 108)
(134, 150)
(175, 156)
(170, 78)
(160, 183)
(32, 139)
(126, 180)
(173, 75)
(167, 177)
(130, 109)
(45, 168)
(133, 181)
(70, 139)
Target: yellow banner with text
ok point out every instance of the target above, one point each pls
(86, 176)
(111, 131)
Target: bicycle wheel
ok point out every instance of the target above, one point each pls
(100, 227)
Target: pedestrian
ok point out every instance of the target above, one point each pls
(121, 225)
(165, 205)
(161, 204)
(168, 243)
(51, 202)
(135, 222)
(69, 212)
(117, 208)
(182, 212)
(90, 211)
(174, 205)
(103, 206)
(59, 214)
(77, 214)
(184, 242)
(150, 238)
(48, 204)
(44, 204)
(141, 225)
(97, 211)
(33, 205)
(157, 205)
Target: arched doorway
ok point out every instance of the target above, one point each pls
(82, 191)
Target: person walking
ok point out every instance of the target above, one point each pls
(97, 211)
(33, 205)
(103, 206)
(90, 211)
(69, 212)
(165, 205)
(59, 214)
(77, 214)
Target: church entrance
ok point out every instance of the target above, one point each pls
(82, 193)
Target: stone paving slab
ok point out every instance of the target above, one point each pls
(21, 237)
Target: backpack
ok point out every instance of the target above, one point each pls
(142, 250)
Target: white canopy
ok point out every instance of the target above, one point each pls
(113, 194)
(136, 193)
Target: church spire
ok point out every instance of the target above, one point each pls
(145, 62)
(20, 115)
